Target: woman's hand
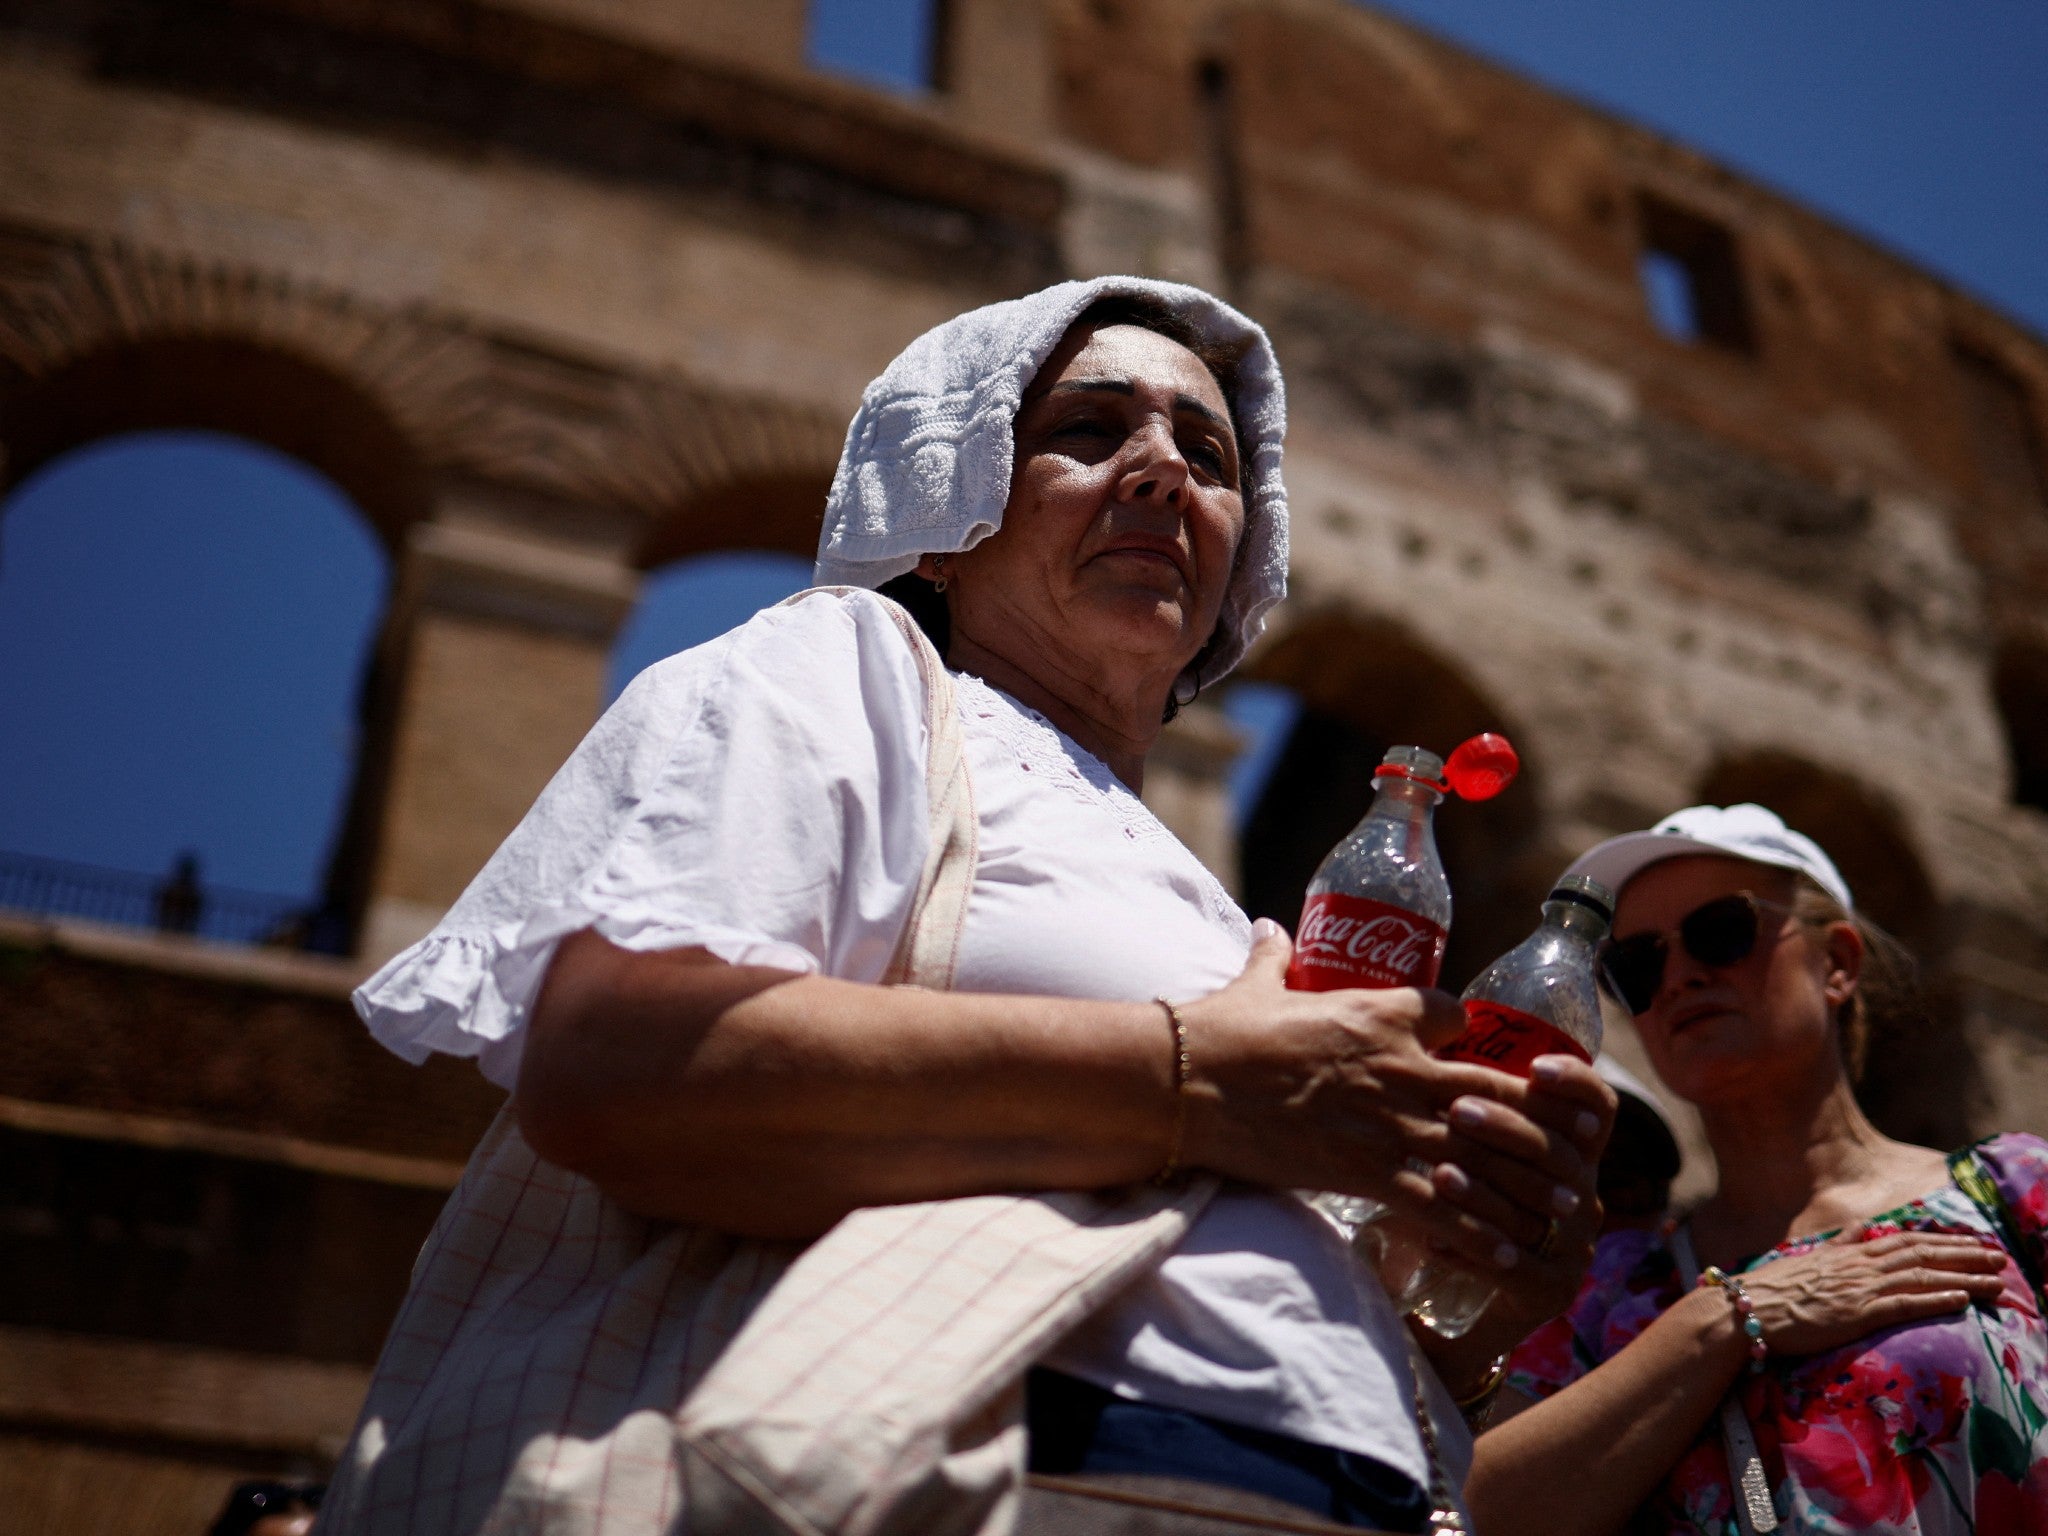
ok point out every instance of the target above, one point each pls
(1533, 1175)
(1850, 1286)
(1338, 1091)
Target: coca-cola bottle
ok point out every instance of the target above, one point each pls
(1379, 908)
(1540, 998)
(1378, 914)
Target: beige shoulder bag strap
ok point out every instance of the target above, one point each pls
(1753, 1508)
(877, 1389)
(930, 946)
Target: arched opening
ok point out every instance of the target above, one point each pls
(189, 615)
(261, 394)
(779, 513)
(694, 600)
(2019, 682)
(1360, 687)
(221, 384)
(735, 549)
(1858, 830)
(900, 44)
(1917, 1083)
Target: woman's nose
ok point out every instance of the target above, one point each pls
(1157, 471)
(1681, 971)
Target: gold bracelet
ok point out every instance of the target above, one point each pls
(1479, 1404)
(1180, 1090)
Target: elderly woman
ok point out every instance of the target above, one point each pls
(679, 962)
(1864, 1349)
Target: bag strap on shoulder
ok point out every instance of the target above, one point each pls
(929, 948)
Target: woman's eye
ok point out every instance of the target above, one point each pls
(1086, 427)
(1087, 438)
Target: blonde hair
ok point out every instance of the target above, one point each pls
(1886, 1001)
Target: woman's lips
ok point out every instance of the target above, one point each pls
(1166, 554)
(1694, 1013)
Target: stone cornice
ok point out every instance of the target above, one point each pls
(896, 180)
(908, 148)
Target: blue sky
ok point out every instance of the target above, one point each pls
(196, 610)
(1922, 126)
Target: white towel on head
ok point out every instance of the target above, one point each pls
(926, 468)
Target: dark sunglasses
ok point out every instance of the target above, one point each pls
(1722, 932)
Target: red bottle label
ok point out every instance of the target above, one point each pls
(1507, 1039)
(1353, 941)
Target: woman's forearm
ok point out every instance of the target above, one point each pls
(1579, 1463)
(762, 1102)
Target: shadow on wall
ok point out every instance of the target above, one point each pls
(2020, 685)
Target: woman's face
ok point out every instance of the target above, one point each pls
(1715, 1031)
(1124, 514)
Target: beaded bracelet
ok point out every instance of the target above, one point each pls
(1181, 1069)
(1745, 1311)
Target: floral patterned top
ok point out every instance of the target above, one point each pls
(1937, 1427)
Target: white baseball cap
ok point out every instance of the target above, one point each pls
(1745, 831)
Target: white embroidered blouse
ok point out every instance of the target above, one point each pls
(763, 796)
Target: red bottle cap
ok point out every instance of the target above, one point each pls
(1481, 768)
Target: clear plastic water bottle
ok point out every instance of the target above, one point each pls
(1540, 998)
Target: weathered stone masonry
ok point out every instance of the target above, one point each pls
(561, 290)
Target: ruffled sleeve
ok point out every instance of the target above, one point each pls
(762, 797)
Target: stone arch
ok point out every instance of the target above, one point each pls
(2019, 684)
(1365, 684)
(209, 605)
(404, 395)
(779, 509)
(773, 505)
(229, 385)
(1920, 1082)
(575, 463)
(100, 339)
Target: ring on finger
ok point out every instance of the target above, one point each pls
(1546, 1246)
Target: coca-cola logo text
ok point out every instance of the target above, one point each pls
(1391, 940)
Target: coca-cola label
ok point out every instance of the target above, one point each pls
(1508, 1039)
(1354, 941)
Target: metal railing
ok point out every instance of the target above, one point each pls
(176, 903)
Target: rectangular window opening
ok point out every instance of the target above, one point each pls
(1691, 274)
(1668, 288)
(900, 45)
(2003, 419)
